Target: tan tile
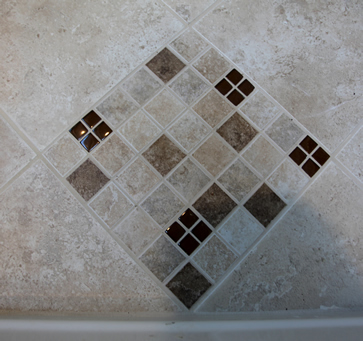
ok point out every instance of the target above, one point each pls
(189, 9)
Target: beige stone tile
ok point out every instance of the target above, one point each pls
(14, 153)
(113, 154)
(263, 156)
(139, 130)
(65, 153)
(310, 260)
(137, 179)
(70, 54)
(189, 9)
(62, 260)
(164, 108)
(137, 231)
(214, 155)
(111, 205)
(188, 130)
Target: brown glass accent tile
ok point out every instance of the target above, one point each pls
(91, 119)
(87, 179)
(237, 132)
(264, 205)
(165, 65)
(188, 218)
(201, 231)
(234, 76)
(246, 87)
(321, 156)
(308, 144)
(298, 156)
(175, 232)
(188, 244)
(188, 285)
(89, 142)
(102, 131)
(164, 155)
(214, 205)
(310, 167)
(78, 131)
(223, 87)
(235, 97)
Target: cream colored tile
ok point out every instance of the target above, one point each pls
(189, 9)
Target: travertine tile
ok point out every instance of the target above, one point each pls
(137, 179)
(215, 258)
(263, 156)
(212, 108)
(189, 86)
(164, 108)
(139, 130)
(212, 65)
(137, 231)
(111, 205)
(214, 155)
(64, 154)
(188, 130)
(189, 44)
(189, 9)
(238, 180)
(162, 258)
(162, 205)
(113, 154)
(241, 230)
(188, 179)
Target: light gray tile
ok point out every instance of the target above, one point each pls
(189, 9)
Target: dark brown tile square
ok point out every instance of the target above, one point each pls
(237, 132)
(224, 87)
(235, 97)
(164, 155)
(102, 131)
(188, 244)
(310, 167)
(264, 205)
(188, 285)
(91, 119)
(234, 76)
(87, 179)
(79, 131)
(214, 205)
(89, 142)
(188, 218)
(201, 231)
(321, 156)
(175, 232)
(308, 144)
(298, 156)
(246, 87)
(165, 65)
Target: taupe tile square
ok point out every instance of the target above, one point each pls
(237, 132)
(111, 205)
(188, 130)
(264, 205)
(214, 155)
(165, 65)
(113, 154)
(137, 180)
(214, 205)
(141, 86)
(162, 258)
(87, 179)
(162, 205)
(189, 86)
(212, 108)
(164, 155)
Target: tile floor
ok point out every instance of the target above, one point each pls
(205, 163)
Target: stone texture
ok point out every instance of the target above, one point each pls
(189, 9)
(111, 205)
(59, 259)
(310, 260)
(87, 179)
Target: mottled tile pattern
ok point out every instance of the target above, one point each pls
(189, 9)
(189, 44)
